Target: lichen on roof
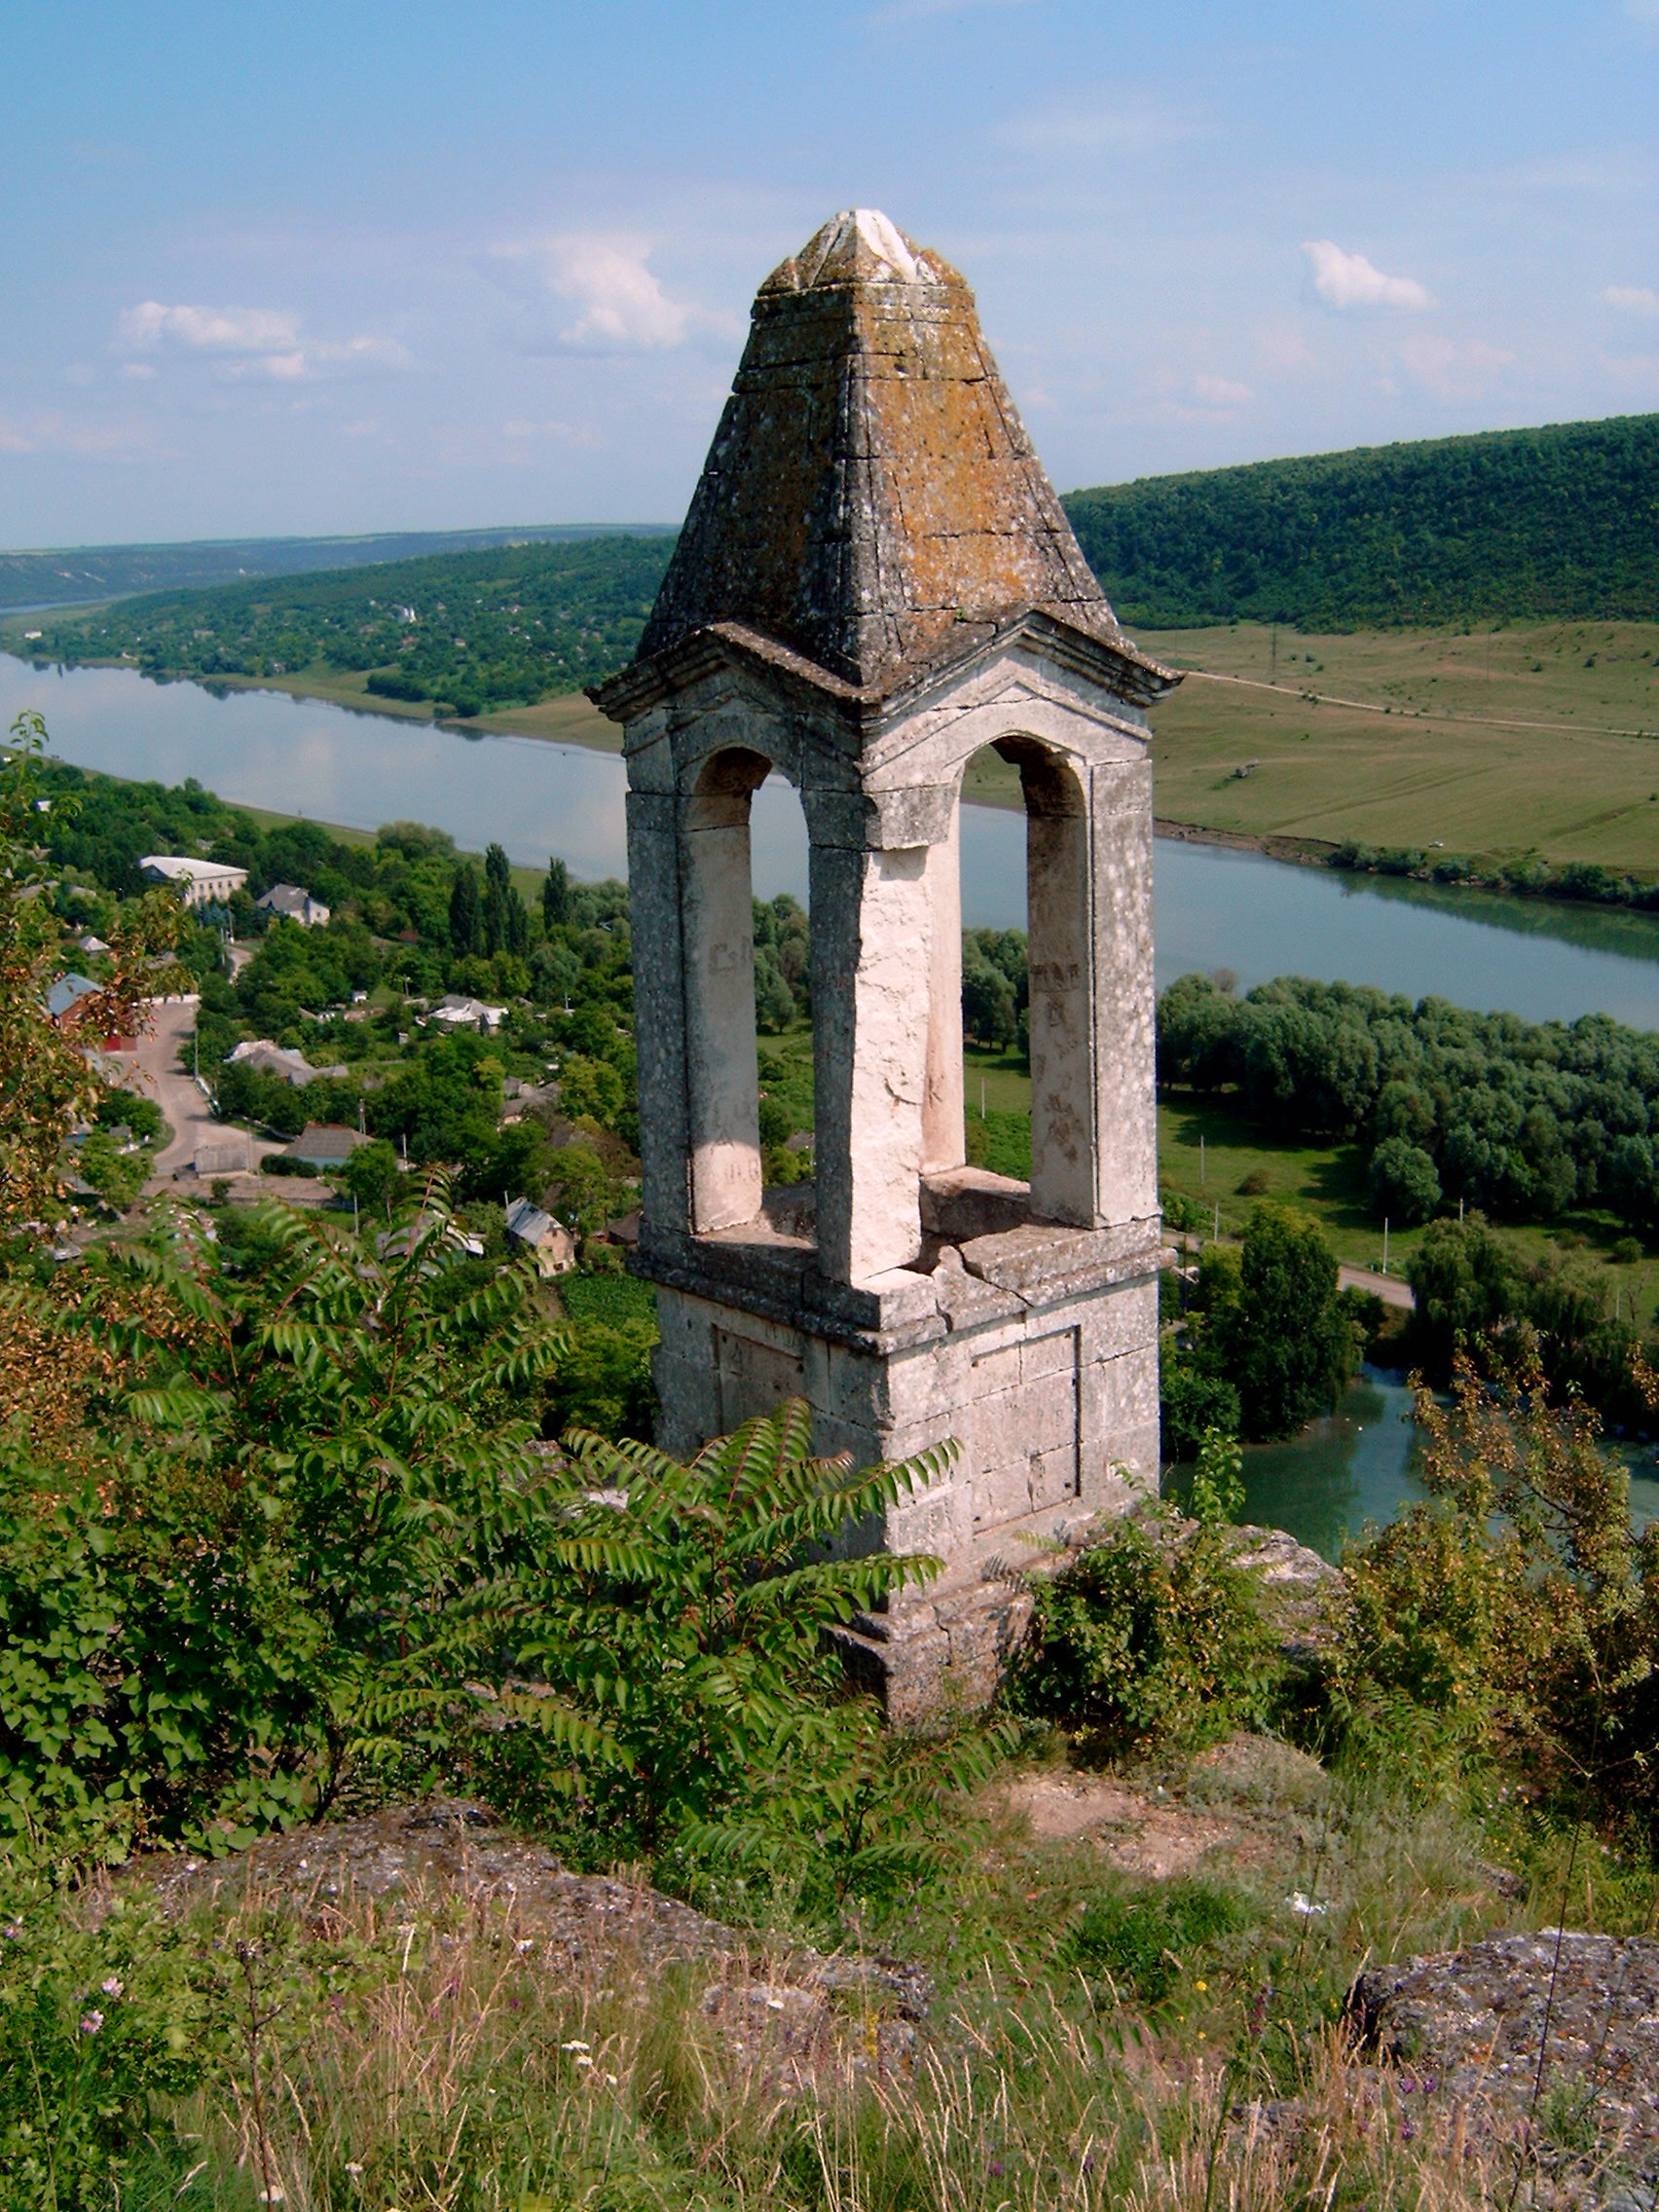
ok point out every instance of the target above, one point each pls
(870, 489)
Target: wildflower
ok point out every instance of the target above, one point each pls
(90, 2023)
(112, 1986)
(1306, 1906)
(1200, 1985)
(576, 2045)
(584, 2059)
(13, 1930)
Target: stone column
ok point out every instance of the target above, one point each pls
(1064, 1029)
(943, 1138)
(1124, 992)
(659, 1003)
(722, 1080)
(872, 972)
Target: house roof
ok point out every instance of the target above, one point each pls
(325, 1141)
(68, 991)
(528, 1223)
(179, 867)
(872, 502)
(286, 899)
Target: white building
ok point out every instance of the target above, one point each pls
(296, 905)
(200, 883)
(468, 1013)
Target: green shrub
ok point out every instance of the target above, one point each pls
(1149, 1636)
(1514, 1617)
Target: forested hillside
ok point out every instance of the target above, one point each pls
(1559, 523)
(468, 631)
(68, 575)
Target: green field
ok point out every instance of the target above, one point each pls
(1492, 743)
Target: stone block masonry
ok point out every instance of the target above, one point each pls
(876, 581)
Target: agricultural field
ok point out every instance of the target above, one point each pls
(1543, 738)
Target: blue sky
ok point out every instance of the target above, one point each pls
(330, 268)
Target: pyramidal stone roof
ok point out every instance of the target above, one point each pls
(870, 489)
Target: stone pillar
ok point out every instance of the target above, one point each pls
(722, 1082)
(944, 1144)
(871, 943)
(1064, 1130)
(1125, 993)
(659, 1004)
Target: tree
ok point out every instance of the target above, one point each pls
(372, 1176)
(1288, 1343)
(1405, 1186)
(774, 1001)
(465, 911)
(556, 894)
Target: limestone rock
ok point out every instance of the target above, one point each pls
(1467, 2027)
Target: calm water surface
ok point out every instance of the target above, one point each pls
(1358, 1466)
(1214, 907)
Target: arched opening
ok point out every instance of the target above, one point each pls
(748, 971)
(1012, 976)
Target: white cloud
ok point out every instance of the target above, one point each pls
(248, 342)
(1349, 280)
(1221, 391)
(1452, 370)
(1096, 120)
(137, 371)
(1632, 299)
(225, 330)
(619, 302)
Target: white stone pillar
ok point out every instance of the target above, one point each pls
(1064, 1033)
(872, 974)
(721, 1080)
(943, 1143)
(1124, 992)
(659, 1007)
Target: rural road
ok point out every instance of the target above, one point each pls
(1388, 1288)
(156, 1072)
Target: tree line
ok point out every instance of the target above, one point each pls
(1549, 524)
(467, 632)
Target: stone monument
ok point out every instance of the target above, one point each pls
(874, 582)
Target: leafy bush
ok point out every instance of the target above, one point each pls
(1194, 1398)
(99, 2031)
(1516, 1616)
(1151, 1635)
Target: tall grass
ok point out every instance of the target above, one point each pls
(433, 2051)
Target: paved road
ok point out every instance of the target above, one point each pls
(156, 1072)
(1388, 1288)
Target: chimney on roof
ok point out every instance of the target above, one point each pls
(870, 489)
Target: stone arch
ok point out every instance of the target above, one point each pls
(716, 893)
(1059, 925)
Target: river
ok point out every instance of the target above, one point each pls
(1214, 907)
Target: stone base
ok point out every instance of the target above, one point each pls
(935, 1658)
(1029, 1349)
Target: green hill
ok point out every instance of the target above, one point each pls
(1554, 524)
(468, 631)
(70, 576)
